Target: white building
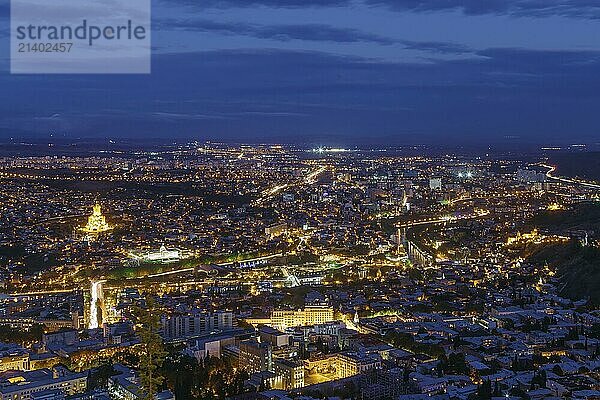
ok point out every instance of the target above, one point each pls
(163, 255)
(435, 183)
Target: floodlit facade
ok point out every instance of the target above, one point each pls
(182, 325)
(163, 255)
(290, 374)
(13, 358)
(310, 315)
(255, 356)
(96, 222)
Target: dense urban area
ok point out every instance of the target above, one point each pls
(212, 271)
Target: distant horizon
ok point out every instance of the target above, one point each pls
(42, 142)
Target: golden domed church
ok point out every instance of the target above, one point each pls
(96, 222)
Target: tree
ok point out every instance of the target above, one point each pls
(98, 377)
(153, 353)
(557, 370)
(539, 379)
(497, 391)
(455, 363)
(20, 336)
(484, 391)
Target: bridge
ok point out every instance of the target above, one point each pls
(291, 278)
(417, 255)
(252, 262)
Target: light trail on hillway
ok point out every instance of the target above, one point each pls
(181, 271)
(437, 220)
(552, 169)
(175, 272)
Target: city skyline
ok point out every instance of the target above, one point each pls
(299, 199)
(260, 272)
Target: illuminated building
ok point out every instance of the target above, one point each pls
(290, 375)
(310, 315)
(350, 364)
(555, 207)
(96, 222)
(177, 326)
(26, 384)
(276, 229)
(13, 357)
(345, 364)
(435, 183)
(255, 356)
(163, 255)
(525, 237)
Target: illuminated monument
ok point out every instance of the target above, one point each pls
(163, 255)
(96, 222)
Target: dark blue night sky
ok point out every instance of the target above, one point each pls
(363, 71)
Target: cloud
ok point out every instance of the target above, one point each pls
(224, 116)
(541, 63)
(437, 47)
(53, 117)
(251, 94)
(318, 32)
(523, 8)
(255, 3)
(274, 114)
(309, 32)
(179, 116)
(4, 9)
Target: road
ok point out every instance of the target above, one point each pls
(182, 271)
(552, 169)
(40, 293)
(439, 220)
(309, 179)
